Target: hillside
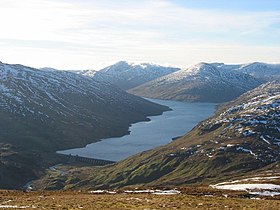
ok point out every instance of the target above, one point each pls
(200, 83)
(241, 139)
(47, 110)
(128, 75)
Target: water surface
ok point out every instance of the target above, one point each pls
(148, 135)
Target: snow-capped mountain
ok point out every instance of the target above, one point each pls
(202, 82)
(264, 71)
(48, 110)
(261, 70)
(241, 139)
(128, 75)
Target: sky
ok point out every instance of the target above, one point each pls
(91, 34)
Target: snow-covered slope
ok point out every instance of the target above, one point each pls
(261, 70)
(88, 73)
(256, 116)
(202, 82)
(264, 71)
(128, 75)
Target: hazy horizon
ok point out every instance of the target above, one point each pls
(136, 63)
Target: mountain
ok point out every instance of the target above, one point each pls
(128, 75)
(43, 111)
(200, 83)
(263, 71)
(242, 138)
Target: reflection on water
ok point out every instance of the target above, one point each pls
(148, 135)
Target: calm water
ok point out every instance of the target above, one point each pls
(148, 135)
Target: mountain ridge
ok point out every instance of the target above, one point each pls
(202, 82)
(126, 75)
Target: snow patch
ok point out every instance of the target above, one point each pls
(154, 192)
(247, 187)
(265, 193)
(266, 141)
(102, 192)
(15, 207)
(246, 150)
(166, 192)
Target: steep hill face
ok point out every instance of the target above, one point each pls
(128, 75)
(42, 111)
(202, 82)
(241, 138)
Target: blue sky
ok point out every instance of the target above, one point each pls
(82, 34)
(237, 5)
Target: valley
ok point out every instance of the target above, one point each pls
(43, 111)
(140, 105)
(240, 139)
(158, 131)
(162, 147)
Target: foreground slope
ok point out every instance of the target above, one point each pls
(202, 82)
(128, 75)
(188, 200)
(241, 138)
(42, 111)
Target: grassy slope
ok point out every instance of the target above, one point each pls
(85, 200)
(160, 168)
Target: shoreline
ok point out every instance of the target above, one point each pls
(180, 112)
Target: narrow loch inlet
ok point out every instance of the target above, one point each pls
(147, 135)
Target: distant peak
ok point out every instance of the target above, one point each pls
(142, 65)
(133, 64)
(201, 66)
(121, 62)
(254, 64)
(218, 64)
(258, 63)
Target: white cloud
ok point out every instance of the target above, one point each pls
(81, 34)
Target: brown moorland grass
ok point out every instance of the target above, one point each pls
(122, 201)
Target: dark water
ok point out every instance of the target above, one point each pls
(148, 135)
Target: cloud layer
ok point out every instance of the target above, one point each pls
(90, 34)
